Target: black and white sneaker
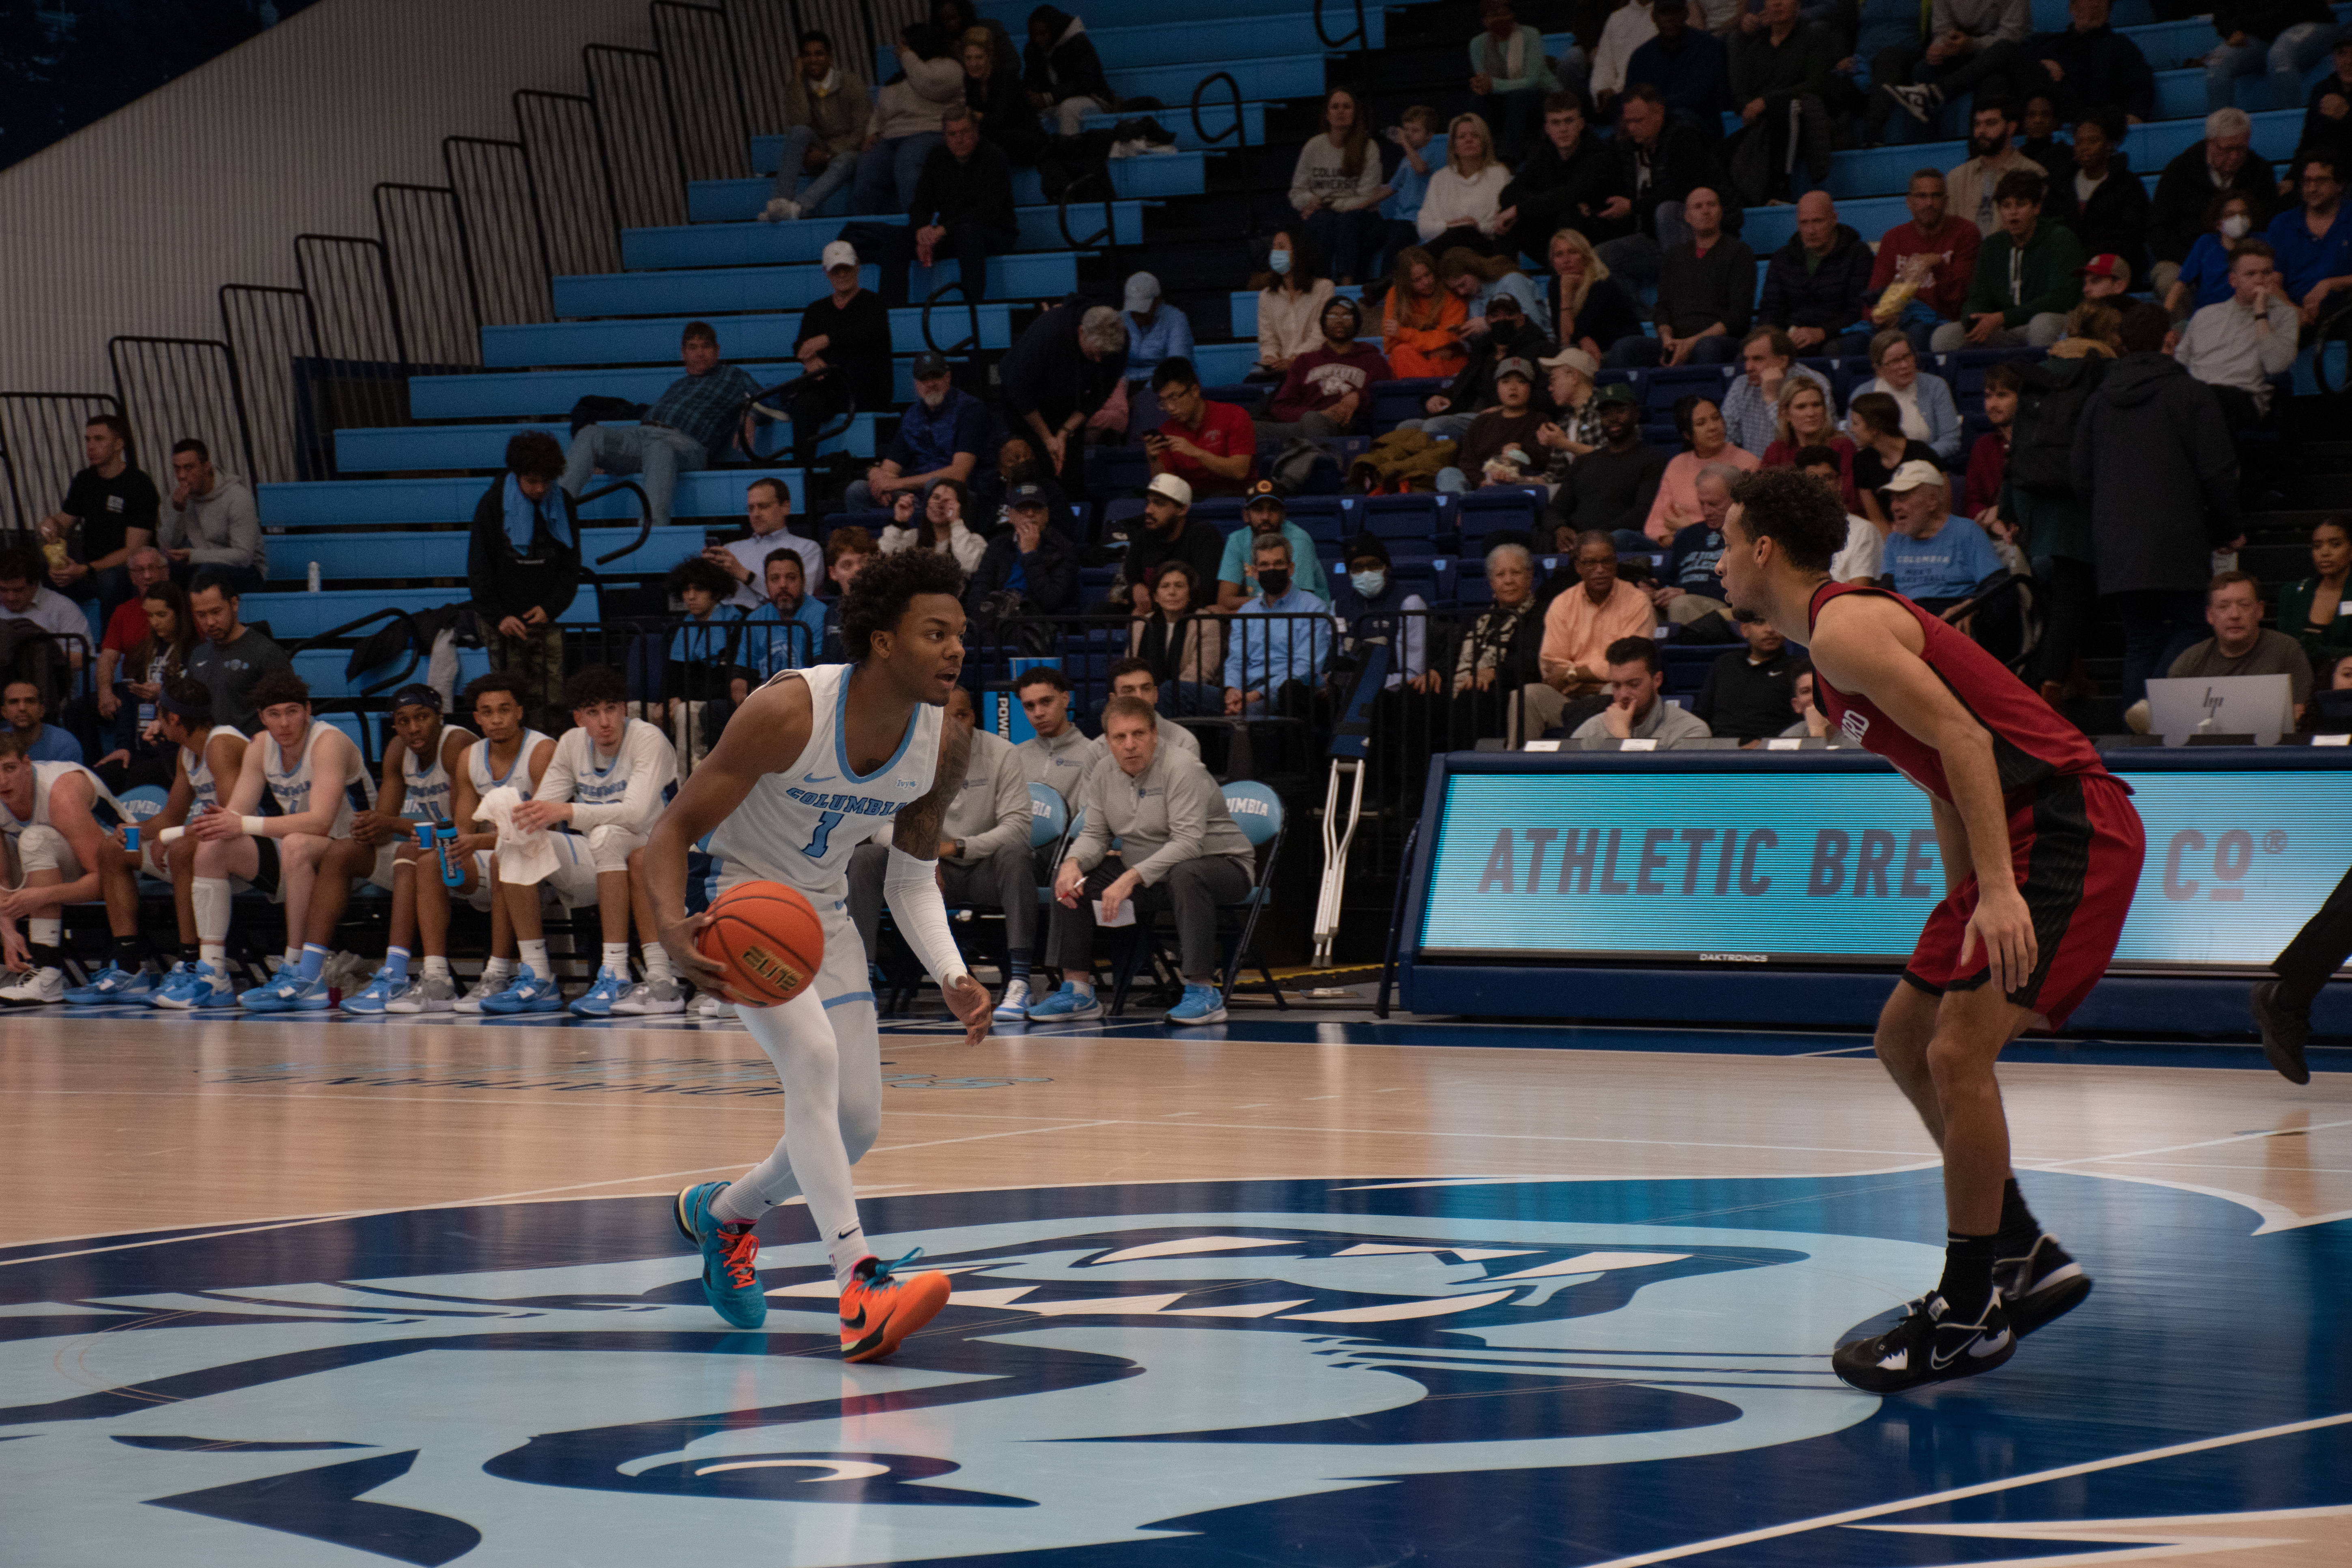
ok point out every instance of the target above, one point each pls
(1928, 1346)
(1922, 103)
(2285, 1032)
(2041, 1285)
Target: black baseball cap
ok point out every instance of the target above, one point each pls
(1263, 493)
(1020, 496)
(1617, 391)
(929, 367)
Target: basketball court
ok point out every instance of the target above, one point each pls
(1327, 1292)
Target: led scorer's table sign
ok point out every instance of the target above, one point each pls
(1807, 866)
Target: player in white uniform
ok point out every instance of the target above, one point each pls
(211, 756)
(382, 847)
(816, 763)
(508, 755)
(316, 775)
(609, 780)
(54, 857)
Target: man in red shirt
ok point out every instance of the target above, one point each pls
(2041, 851)
(127, 627)
(1948, 248)
(1211, 446)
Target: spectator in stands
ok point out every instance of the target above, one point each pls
(1927, 263)
(1706, 440)
(23, 710)
(2091, 65)
(1057, 756)
(1780, 77)
(844, 349)
(1689, 589)
(1133, 678)
(1972, 187)
(1155, 332)
(1574, 429)
(1509, 336)
(111, 511)
(139, 755)
(768, 507)
(1478, 280)
(1581, 627)
(2222, 164)
(2312, 247)
(904, 127)
(1815, 285)
(1336, 188)
(211, 523)
(1421, 324)
(1291, 293)
(1328, 389)
(1027, 569)
(1211, 446)
(1858, 561)
(1812, 722)
(522, 568)
(1750, 690)
(1751, 406)
(962, 207)
(1181, 852)
(705, 656)
(1267, 517)
(2038, 138)
(939, 526)
(1017, 463)
(2204, 278)
(2152, 459)
(127, 627)
(1611, 490)
(1501, 448)
(2312, 610)
(1630, 26)
(1565, 182)
(1688, 65)
(2327, 116)
(1060, 371)
(2283, 38)
(2237, 346)
(1589, 309)
(1972, 41)
(1636, 711)
(1932, 556)
(1802, 424)
(1464, 203)
(1063, 72)
(24, 597)
(846, 551)
(1374, 610)
(2106, 278)
(1660, 165)
(2100, 199)
(1275, 667)
(1499, 651)
(1706, 289)
(993, 91)
(943, 435)
(1929, 412)
(686, 428)
(1989, 455)
(2025, 280)
(825, 111)
(1400, 198)
(787, 630)
(2239, 646)
(1511, 74)
(1183, 646)
(232, 657)
(1171, 533)
(1876, 421)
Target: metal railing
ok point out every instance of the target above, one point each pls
(700, 67)
(175, 388)
(640, 121)
(271, 337)
(1355, 37)
(498, 221)
(1238, 131)
(564, 137)
(435, 303)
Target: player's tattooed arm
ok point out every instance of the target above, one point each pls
(915, 829)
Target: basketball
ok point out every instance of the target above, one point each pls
(768, 939)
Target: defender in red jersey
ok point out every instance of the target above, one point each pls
(2041, 852)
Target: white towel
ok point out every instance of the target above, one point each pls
(523, 858)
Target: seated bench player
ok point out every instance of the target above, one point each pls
(511, 755)
(56, 856)
(610, 778)
(209, 760)
(418, 773)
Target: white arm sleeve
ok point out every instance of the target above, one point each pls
(912, 890)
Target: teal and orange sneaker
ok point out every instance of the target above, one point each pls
(879, 1310)
(731, 1256)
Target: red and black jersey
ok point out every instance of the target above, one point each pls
(2031, 744)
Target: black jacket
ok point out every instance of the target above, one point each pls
(1473, 391)
(2102, 67)
(1068, 67)
(1047, 373)
(1051, 573)
(1610, 490)
(1828, 296)
(858, 344)
(1005, 117)
(1554, 193)
(976, 190)
(1678, 165)
(2154, 463)
(2176, 219)
(2114, 221)
(2266, 19)
(503, 583)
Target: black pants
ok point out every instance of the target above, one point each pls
(2318, 950)
(2069, 599)
(891, 246)
(2239, 411)
(2159, 625)
(815, 402)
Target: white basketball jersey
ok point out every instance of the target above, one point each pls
(206, 788)
(425, 796)
(798, 826)
(46, 774)
(291, 786)
(518, 773)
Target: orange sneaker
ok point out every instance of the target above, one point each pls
(881, 1309)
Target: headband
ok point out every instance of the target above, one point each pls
(166, 704)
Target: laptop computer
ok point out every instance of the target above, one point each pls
(2261, 706)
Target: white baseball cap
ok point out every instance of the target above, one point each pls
(1143, 292)
(840, 253)
(1171, 487)
(1915, 474)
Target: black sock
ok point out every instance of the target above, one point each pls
(2019, 1229)
(130, 953)
(46, 957)
(1968, 1272)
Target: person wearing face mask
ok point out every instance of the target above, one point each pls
(2204, 278)
(1373, 609)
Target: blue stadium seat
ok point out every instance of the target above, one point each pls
(1397, 519)
(1480, 512)
(1403, 398)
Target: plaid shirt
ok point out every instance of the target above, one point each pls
(703, 406)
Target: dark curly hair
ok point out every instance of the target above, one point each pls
(695, 571)
(278, 685)
(533, 454)
(594, 687)
(1783, 505)
(879, 597)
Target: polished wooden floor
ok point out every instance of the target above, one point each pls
(116, 1129)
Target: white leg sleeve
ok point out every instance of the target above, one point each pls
(210, 896)
(812, 1159)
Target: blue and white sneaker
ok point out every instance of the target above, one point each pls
(377, 995)
(1065, 1006)
(194, 988)
(1199, 1005)
(114, 985)
(598, 999)
(527, 994)
(1015, 1005)
(288, 993)
(731, 1254)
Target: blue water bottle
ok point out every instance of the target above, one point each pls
(452, 874)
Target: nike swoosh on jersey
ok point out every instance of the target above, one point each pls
(813, 778)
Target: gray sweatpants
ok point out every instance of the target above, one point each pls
(1193, 890)
(1007, 880)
